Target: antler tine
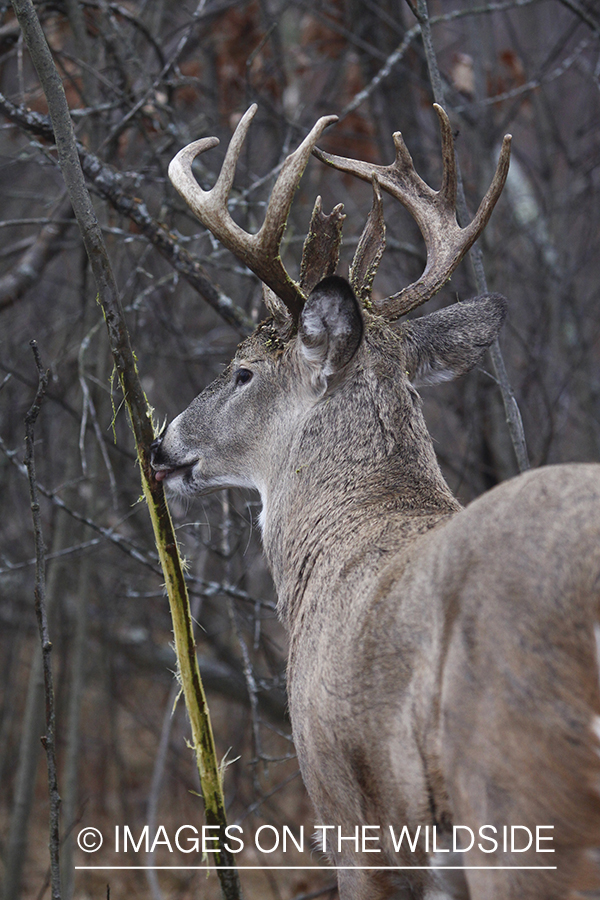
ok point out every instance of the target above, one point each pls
(433, 211)
(260, 251)
(321, 250)
(449, 178)
(369, 250)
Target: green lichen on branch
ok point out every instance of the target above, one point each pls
(141, 422)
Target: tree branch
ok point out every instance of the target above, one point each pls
(33, 262)
(109, 184)
(48, 740)
(511, 408)
(140, 417)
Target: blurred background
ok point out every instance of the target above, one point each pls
(143, 78)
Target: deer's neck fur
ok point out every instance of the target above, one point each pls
(366, 492)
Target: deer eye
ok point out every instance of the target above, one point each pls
(242, 376)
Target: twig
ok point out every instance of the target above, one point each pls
(584, 14)
(233, 617)
(158, 772)
(511, 409)
(29, 268)
(109, 184)
(398, 54)
(392, 60)
(40, 610)
(89, 407)
(158, 81)
(531, 85)
(139, 413)
(258, 803)
(9, 567)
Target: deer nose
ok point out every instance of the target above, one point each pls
(155, 451)
(160, 469)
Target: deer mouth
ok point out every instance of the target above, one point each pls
(164, 474)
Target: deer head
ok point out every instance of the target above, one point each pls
(323, 331)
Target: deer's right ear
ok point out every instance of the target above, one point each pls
(331, 326)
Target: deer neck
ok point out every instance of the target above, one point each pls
(348, 501)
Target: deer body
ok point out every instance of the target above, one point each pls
(443, 687)
(443, 664)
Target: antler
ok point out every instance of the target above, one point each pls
(321, 250)
(369, 250)
(434, 212)
(260, 251)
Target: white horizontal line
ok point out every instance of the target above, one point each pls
(319, 868)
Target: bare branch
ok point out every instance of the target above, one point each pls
(140, 416)
(513, 415)
(31, 265)
(108, 182)
(49, 739)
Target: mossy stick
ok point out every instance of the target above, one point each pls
(141, 421)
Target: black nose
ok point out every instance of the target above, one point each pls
(155, 449)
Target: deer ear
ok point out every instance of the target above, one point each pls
(450, 342)
(331, 326)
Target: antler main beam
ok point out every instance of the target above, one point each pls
(260, 251)
(434, 212)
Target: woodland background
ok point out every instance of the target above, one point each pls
(143, 78)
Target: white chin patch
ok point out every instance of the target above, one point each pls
(192, 483)
(181, 485)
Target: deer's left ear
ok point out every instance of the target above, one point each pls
(448, 343)
(331, 326)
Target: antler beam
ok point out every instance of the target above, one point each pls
(260, 251)
(434, 212)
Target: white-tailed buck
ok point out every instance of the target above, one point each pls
(443, 664)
